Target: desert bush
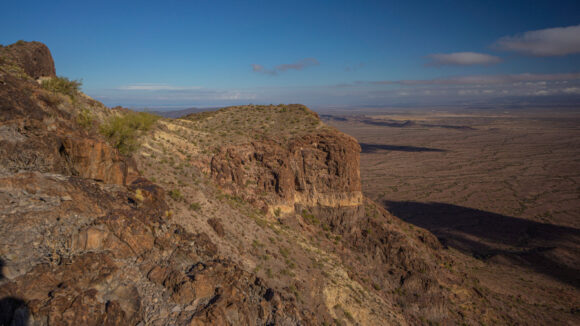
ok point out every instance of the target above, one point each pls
(310, 218)
(176, 194)
(85, 118)
(62, 85)
(195, 206)
(50, 99)
(139, 195)
(9, 66)
(123, 131)
(284, 252)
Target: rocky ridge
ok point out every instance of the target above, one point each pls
(221, 218)
(85, 239)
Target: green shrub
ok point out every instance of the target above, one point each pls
(176, 194)
(310, 218)
(284, 252)
(123, 131)
(9, 66)
(62, 85)
(85, 118)
(195, 207)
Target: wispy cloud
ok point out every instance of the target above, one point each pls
(544, 42)
(153, 94)
(156, 87)
(299, 65)
(354, 67)
(475, 80)
(462, 59)
(260, 68)
(455, 89)
(571, 90)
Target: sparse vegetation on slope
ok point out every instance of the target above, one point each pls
(372, 264)
(123, 131)
(242, 124)
(9, 66)
(62, 85)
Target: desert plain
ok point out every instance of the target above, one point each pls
(500, 186)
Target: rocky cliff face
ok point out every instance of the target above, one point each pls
(33, 57)
(316, 170)
(38, 132)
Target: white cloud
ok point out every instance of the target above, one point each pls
(156, 87)
(462, 59)
(154, 94)
(571, 90)
(454, 89)
(298, 65)
(544, 42)
(480, 79)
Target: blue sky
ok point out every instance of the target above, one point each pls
(320, 53)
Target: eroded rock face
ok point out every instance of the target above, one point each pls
(37, 135)
(94, 159)
(315, 170)
(33, 57)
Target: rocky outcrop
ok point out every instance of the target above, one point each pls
(39, 133)
(33, 57)
(312, 171)
(94, 159)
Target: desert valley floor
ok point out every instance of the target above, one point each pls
(500, 185)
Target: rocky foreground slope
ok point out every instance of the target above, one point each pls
(244, 216)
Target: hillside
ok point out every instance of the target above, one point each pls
(249, 215)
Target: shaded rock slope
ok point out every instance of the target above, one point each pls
(244, 216)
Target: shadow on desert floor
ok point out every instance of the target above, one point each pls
(13, 311)
(373, 148)
(545, 248)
